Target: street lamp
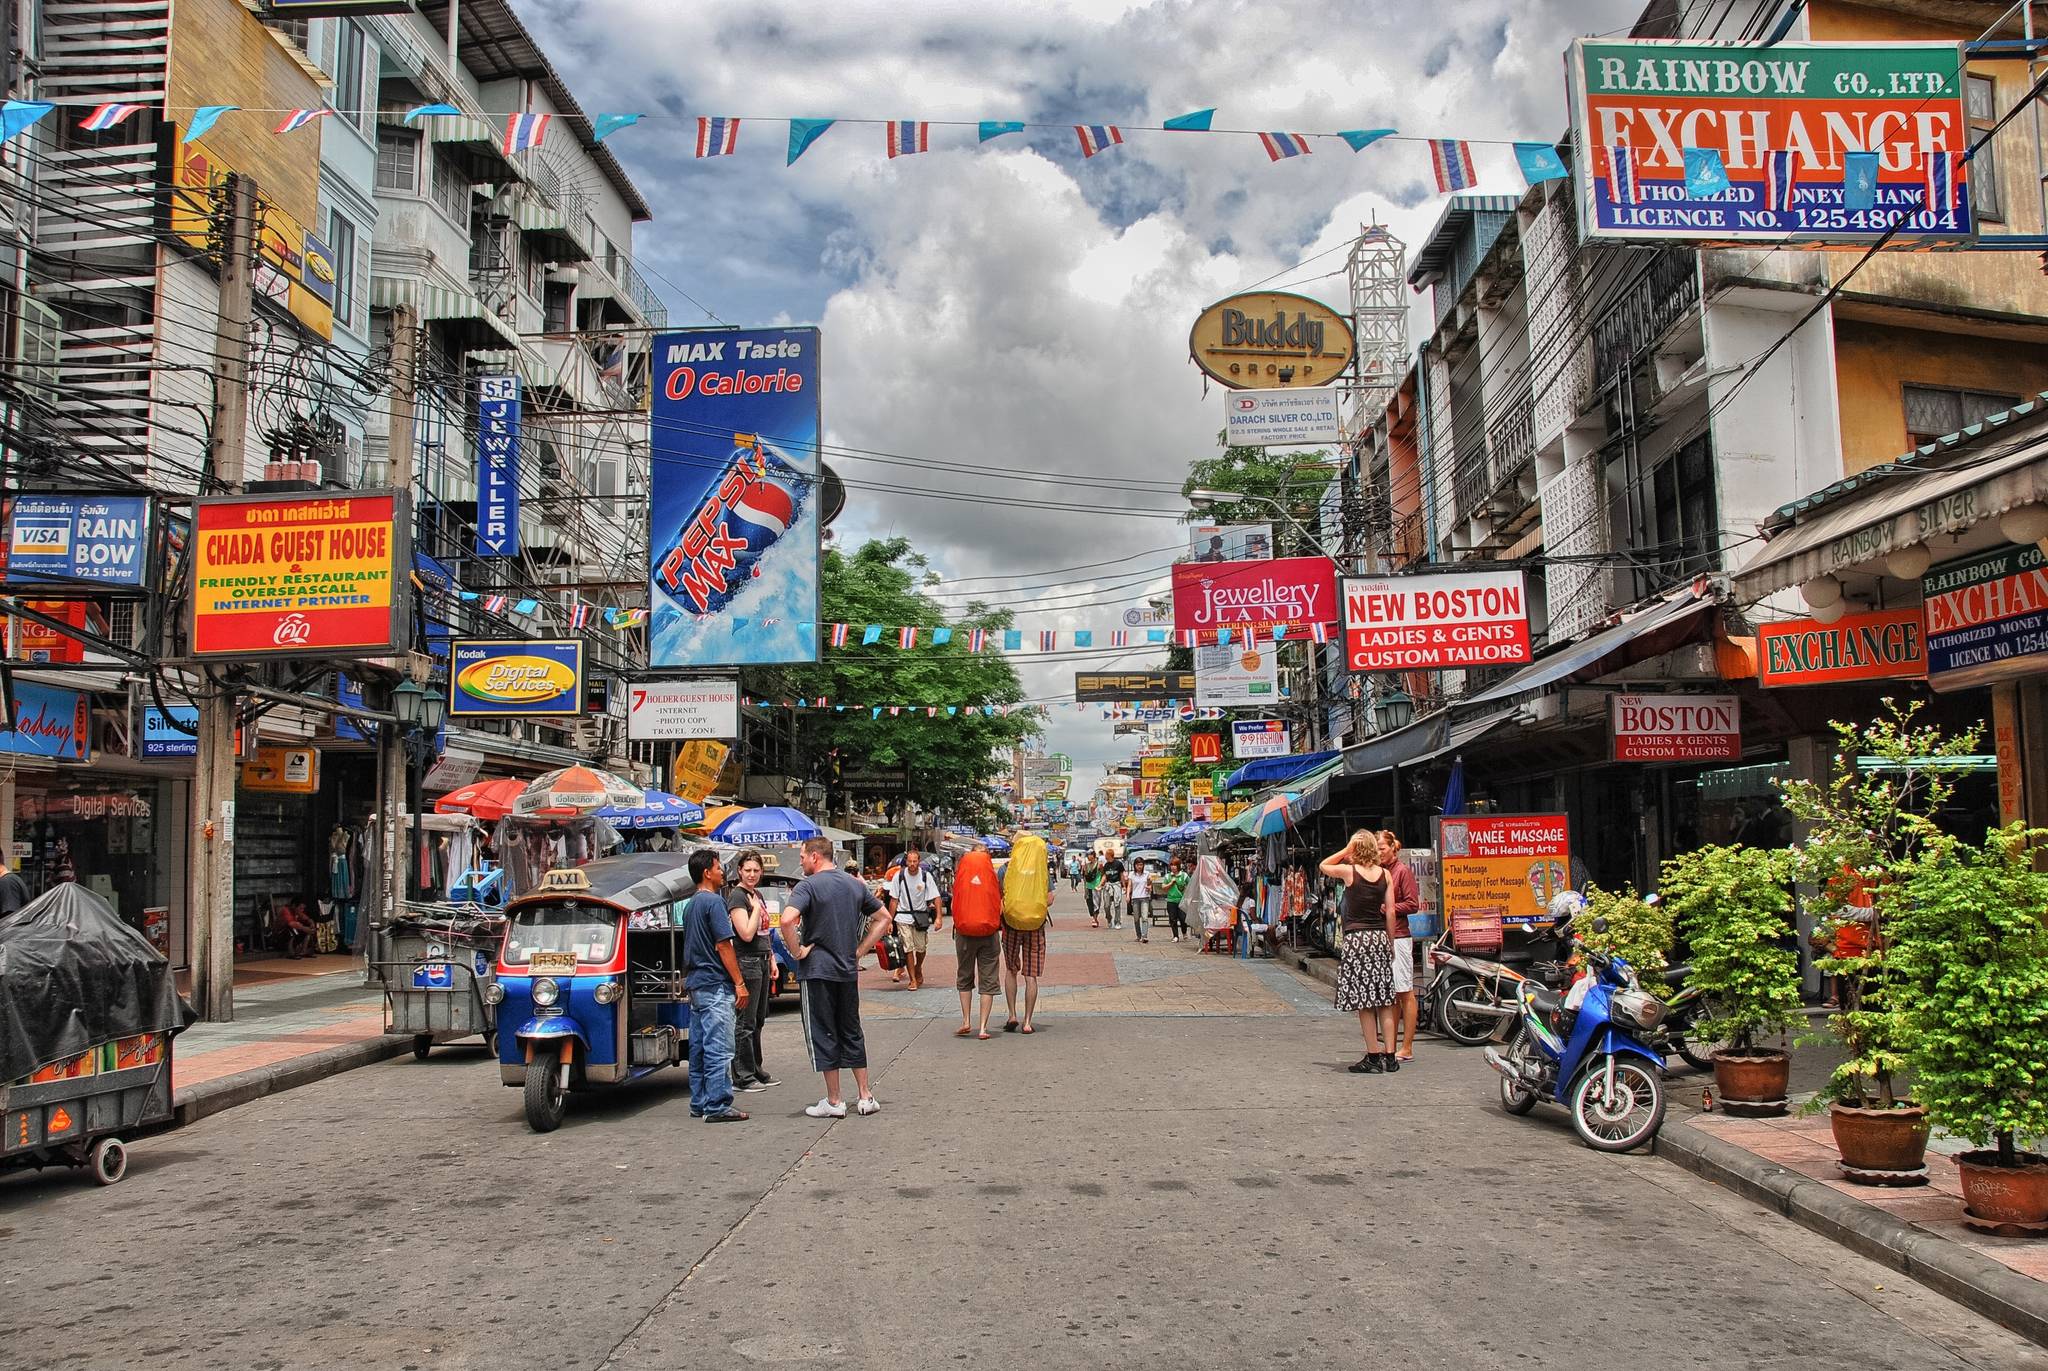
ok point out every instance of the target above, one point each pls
(1232, 497)
(420, 713)
(1393, 711)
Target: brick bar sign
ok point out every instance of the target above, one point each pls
(1675, 728)
(1431, 622)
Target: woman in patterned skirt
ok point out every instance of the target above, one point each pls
(1365, 974)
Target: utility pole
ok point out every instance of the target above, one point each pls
(392, 795)
(212, 889)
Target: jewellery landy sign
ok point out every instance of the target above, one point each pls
(1285, 591)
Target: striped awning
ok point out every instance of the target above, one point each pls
(546, 222)
(479, 143)
(480, 327)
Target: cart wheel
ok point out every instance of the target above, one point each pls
(491, 1041)
(421, 1045)
(109, 1160)
(546, 1100)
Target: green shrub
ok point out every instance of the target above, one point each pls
(1637, 932)
(1735, 908)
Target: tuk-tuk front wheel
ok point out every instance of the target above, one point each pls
(547, 1100)
(109, 1160)
(421, 1046)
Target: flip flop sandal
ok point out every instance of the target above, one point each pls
(1010, 1027)
(983, 1036)
(1027, 1028)
(965, 1033)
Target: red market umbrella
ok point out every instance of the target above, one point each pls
(575, 790)
(487, 800)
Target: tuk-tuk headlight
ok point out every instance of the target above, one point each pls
(545, 991)
(494, 993)
(608, 993)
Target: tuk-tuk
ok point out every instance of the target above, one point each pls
(590, 988)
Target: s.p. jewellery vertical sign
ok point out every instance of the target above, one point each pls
(497, 466)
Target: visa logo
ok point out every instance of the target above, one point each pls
(42, 537)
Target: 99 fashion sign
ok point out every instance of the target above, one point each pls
(300, 575)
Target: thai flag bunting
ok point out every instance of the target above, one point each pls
(1778, 181)
(1098, 137)
(1048, 640)
(1621, 177)
(579, 616)
(299, 118)
(906, 637)
(1319, 632)
(839, 635)
(1451, 159)
(523, 131)
(931, 711)
(717, 137)
(907, 136)
(107, 117)
(1190, 637)
(1119, 638)
(495, 604)
(977, 639)
(1279, 145)
(1941, 180)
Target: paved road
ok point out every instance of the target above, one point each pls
(1176, 1172)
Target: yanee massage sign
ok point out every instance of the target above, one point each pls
(298, 576)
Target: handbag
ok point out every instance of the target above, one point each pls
(920, 919)
(889, 951)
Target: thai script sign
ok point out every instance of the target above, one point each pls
(1280, 418)
(1675, 728)
(497, 466)
(298, 575)
(521, 677)
(1209, 597)
(1987, 618)
(101, 540)
(1431, 622)
(1503, 865)
(1856, 647)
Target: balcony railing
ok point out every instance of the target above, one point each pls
(1657, 300)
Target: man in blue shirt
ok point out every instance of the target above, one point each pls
(711, 973)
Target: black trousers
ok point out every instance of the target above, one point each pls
(746, 1039)
(1176, 918)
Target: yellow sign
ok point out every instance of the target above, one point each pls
(294, 268)
(283, 770)
(697, 767)
(1154, 768)
(297, 575)
(1204, 789)
(1235, 808)
(1505, 865)
(1271, 340)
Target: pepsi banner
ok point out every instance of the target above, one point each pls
(733, 515)
(497, 466)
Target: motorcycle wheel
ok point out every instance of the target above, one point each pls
(1698, 1055)
(1629, 1117)
(1515, 1097)
(546, 1100)
(1695, 1057)
(1463, 1026)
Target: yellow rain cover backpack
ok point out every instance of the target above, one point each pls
(1025, 888)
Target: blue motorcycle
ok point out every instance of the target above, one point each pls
(1582, 1051)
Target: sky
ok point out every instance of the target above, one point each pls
(1007, 322)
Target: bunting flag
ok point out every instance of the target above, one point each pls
(1540, 162)
(1859, 180)
(1940, 171)
(977, 639)
(527, 607)
(1361, 139)
(803, 133)
(436, 111)
(204, 119)
(1098, 137)
(1223, 637)
(717, 137)
(908, 136)
(1451, 160)
(1084, 637)
(1778, 181)
(996, 128)
(604, 125)
(1279, 145)
(1013, 640)
(906, 637)
(18, 116)
(299, 118)
(523, 131)
(1705, 174)
(495, 604)
(108, 116)
(839, 635)
(1119, 638)
(1155, 635)
(1621, 176)
(579, 616)
(941, 636)
(1196, 122)
(1049, 640)
(871, 634)
(1319, 632)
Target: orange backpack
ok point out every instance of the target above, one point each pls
(977, 897)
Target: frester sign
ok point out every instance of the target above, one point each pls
(1856, 647)
(1291, 591)
(1434, 622)
(1675, 728)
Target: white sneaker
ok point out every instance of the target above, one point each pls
(825, 1109)
(868, 1105)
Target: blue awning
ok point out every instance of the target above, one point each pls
(1276, 770)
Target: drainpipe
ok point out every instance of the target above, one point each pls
(1425, 447)
(454, 34)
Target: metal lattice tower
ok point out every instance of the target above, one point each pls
(1376, 269)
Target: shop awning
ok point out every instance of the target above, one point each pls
(1911, 504)
(1271, 770)
(1587, 651)
(558, 240)
(476, 326)
(1418, 742)
(478, 145)
(1314, 787)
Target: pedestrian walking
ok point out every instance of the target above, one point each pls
(1113, 891)
(1176, 894)
(832, 920)
(1091, 881)
(1027, 912)
(1138, 895)
(757, 960)
(977, 924)
(711, 973)
(13, 890)
(1406, 893)
(915, 906)
(1365, 971)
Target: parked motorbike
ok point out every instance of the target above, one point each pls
(1473, 1000)
(1587, 1051)
(1685, 1008)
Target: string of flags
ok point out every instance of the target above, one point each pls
(908, 636)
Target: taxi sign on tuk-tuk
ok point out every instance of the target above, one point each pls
(565, 878)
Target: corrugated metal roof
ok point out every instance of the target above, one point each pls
(1947, 443)
(1442, 241)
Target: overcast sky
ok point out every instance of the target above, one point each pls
(1010, 306)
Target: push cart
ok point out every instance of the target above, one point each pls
(84, 1111)
(442, 959)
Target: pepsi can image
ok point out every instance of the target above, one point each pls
(755, 500)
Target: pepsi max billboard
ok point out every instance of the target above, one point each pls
(733, 520)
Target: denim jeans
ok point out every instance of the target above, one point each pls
(711, 1030)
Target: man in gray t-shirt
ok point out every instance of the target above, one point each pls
(832, 920)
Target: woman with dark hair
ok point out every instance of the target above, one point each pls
(1365, 972)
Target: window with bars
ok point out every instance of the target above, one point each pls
(1981, 95)
(451, 187)
(398, 160)
(341, 242)
(1936, 411)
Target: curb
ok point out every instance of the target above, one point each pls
(1315, 968)
(194, 1103)
(1970, 1279)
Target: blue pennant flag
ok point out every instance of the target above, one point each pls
(941, 636)
(1197, 122)
(468, 594)
(1155, 635)
(1084, 637)
(1013, 640)
(1705, 176)
(1222, 636)
(526, 607)
(996, 128)
(874, 711)
(803, 133)
(606, 124)
(203, 119)
(1361, 139)
(439, 111)
(1859, 180)
(1540, 162)
(17, 116)
(738, 624)
(871, 634)
(951, 710)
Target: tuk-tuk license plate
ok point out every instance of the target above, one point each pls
(551, 963)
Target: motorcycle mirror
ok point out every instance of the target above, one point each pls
(1600, 924)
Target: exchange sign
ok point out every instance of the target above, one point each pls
(100, 540)
(516, 678)
(1676, 728)
(298, 575)
(1794, 127)
(1290, 591)
(1433, 622)
(1987, 618)
(1856, 647)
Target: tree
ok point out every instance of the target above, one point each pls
(1736, 912)
(1293, 480)
(951, 758)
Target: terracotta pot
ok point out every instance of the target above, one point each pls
(1884, 1140)
(2005, 1194)
(1756, 1077)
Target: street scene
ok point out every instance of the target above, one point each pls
(1066, 685)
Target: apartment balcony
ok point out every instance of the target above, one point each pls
(627, 296)
(1646, 310)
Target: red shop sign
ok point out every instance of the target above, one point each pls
(1676, 728)
(1294, 591)
(1432, 622)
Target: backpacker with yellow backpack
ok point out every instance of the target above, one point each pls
(1027, 884)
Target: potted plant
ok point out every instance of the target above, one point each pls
(1735, 909)
(1637, 930)
(1969, 956)
(1863, 829)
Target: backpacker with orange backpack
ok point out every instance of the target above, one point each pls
(977, 898)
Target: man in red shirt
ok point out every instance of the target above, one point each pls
(1407, 900)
